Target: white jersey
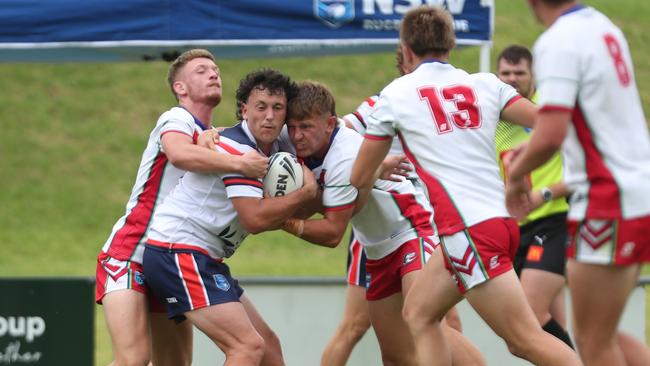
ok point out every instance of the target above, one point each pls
(156, 177)
(395, 212)
(447, 120)
(199, 213)
(358, 120)
(583, 65)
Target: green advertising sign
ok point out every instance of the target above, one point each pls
(46, 321)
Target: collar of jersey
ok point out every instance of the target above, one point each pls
(196, 120)
(431, 61)
(573, 9)
(313, 162)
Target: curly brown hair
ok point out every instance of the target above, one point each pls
(271, 80)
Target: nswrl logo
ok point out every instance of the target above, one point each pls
(334, 13)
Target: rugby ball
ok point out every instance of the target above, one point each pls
(284, 175)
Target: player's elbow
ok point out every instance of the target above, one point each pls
(333, 239)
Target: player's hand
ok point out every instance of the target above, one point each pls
(253, 165)
(208, 138)
(395, 168)
(517, 198)
(536, 200)
(309, 185)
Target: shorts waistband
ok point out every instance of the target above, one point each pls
(177, 247)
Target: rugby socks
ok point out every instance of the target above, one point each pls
(556, 329)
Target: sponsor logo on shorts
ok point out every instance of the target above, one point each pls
(221, 282)
(409, 257)
(368, 280)
(494, 262)
(628, 249)
(539, 240)
(139, 278)
(535, 253)
(171, 300)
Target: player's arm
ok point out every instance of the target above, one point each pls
(185, 155)
(546, 139)
(521, 112)
(327, 231)
(367, 166)
(262, 214)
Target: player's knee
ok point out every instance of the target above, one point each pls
(356, 328)
(415, 318)
(250, 351)
(521, 346)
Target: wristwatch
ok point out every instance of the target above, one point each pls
(547, 194)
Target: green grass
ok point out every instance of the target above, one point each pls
(72, 136)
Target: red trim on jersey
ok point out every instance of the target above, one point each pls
(355, 271)
(176, 131)
(180, 246)
(136, 222)
(370, 101)
(377, 138)
(231, 150)
(416, 214)
(360, 118)
(604, 195)
(512, 100)
(555, 108)
(339, 208)
(445, 214)
(242, 181)
(193, 280)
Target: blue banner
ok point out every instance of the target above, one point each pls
(277, 26)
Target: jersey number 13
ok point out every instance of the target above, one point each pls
(466, 114)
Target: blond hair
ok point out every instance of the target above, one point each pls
(181, 61)
(428, 30)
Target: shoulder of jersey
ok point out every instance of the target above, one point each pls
(177, 113)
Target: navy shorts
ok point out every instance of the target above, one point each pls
(356, 272)
(187, 279)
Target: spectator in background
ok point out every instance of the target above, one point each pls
(590, 105)
(139, 330)
(540, 259)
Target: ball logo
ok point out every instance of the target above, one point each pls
(334, 13)
(221, 282)
(281, 185)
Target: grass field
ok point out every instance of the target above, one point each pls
(72, 136)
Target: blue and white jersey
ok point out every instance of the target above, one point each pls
(199, 212)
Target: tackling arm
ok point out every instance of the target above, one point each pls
(184, 154)
(262, 214)
(366, 167)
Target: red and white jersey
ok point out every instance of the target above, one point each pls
(156, 177)
(395, 212)
(447, 120)
(358, 120)
(583, 65)
(198, 213)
